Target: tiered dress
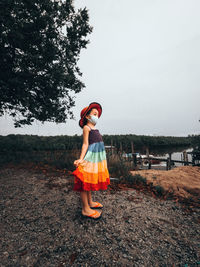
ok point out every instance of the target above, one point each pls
(93, 173)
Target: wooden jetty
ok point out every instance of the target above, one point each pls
(150, 159)
(169, 162)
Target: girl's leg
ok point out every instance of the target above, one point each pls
(91, 203)
(86, 210)
(84, 199)
(89, 195)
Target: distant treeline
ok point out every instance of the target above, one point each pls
(64, 142)
(141, 141)
(195, 141)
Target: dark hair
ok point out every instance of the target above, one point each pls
(85, 120)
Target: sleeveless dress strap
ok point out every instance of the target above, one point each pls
(89, 127)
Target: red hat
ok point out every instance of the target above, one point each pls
(87, 109)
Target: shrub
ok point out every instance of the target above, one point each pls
(159, 190)
(135, 179)
(120, 169)
(117, 168)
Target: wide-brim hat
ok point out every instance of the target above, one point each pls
(87, 109)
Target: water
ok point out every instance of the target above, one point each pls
(176, 154)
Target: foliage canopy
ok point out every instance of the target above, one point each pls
(40, 44)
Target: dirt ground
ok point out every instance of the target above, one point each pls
(183, 181)
(41, 225)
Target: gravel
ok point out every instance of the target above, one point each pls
(41, 225)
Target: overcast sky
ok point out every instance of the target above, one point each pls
(142, 65)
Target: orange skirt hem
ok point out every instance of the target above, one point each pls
(81, 186)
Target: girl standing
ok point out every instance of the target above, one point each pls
(91, 173)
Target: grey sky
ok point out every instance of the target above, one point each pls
(142, 65)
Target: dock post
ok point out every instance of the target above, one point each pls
(185, 158)
(133, 156)
(120, 146)
(170, 158)
(149, 165)
(168, 162)
(134, 160)
(193, 160)
(111, 147)
(147, 154)
(132, 147)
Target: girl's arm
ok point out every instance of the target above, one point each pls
(85, 142)
(84, 146)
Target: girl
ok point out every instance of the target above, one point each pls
(91, 173)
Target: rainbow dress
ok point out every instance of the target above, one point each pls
(93, 173)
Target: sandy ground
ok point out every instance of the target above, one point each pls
(182, 181)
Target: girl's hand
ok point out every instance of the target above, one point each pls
(78, 161)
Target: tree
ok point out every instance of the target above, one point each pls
(40, 44)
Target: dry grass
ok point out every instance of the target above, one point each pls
(182, 181)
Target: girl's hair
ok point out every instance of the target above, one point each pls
(85, 120)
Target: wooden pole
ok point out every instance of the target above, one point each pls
(170, 158)
(132, 147)
(149, 165)
(193, 160)
(168, 163)
(147, 152)
(134, 161)
(111, 147)
(121, 146)
(185, 157)
(133, 155)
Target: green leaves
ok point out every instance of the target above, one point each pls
(39, 75)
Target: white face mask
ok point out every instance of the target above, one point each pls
(93, 119)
